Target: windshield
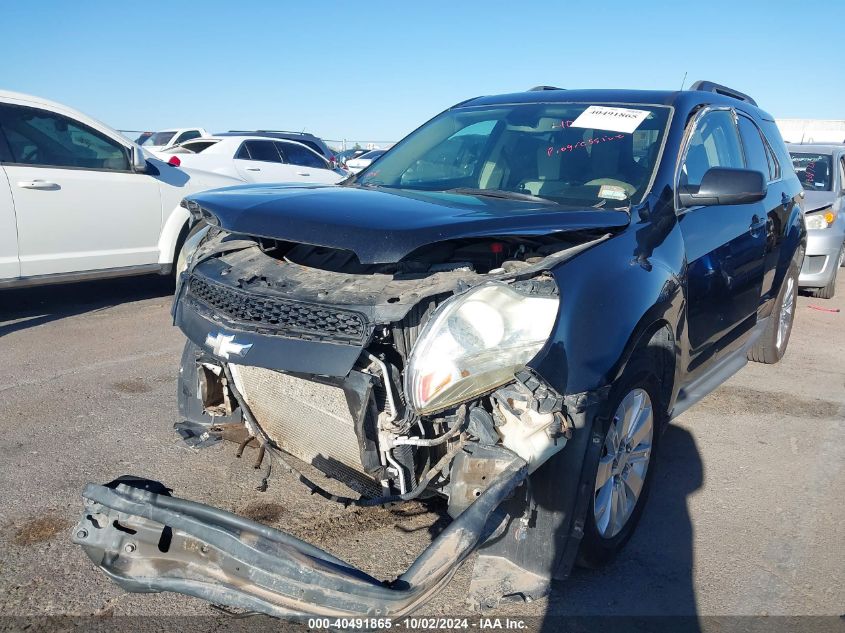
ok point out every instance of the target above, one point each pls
(159, 138)
(814, 170)
(570, 153)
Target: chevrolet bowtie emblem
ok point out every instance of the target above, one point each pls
(222, 345)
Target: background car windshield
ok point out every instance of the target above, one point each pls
(814, 170)
(537, 149)
(159, 138)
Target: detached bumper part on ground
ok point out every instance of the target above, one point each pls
(148, 542)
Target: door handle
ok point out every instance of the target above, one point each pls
(37, 184)
(253, 169)
(302, 173)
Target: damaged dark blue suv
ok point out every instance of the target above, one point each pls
(505, 310)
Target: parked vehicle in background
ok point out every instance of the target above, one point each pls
(79, 200)
(512, 328)
(364, 160)
(348, 154)
(136, 136)
(821, 170)
(165, 139)
(255, 159)
(314, 142)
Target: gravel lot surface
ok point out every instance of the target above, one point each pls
(746, 516)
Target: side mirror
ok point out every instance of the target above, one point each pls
(725, 185)
(139, 161)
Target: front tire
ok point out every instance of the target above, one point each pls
(772, 344)
(829, 290)
(634, 419)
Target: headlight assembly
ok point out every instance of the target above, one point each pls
(820, 219)
(475, 342)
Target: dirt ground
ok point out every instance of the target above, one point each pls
(745, 518)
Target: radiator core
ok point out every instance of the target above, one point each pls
(307, 419)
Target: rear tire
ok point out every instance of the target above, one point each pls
(633, 421)
(772, 344)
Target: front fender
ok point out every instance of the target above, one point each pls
(611, 297)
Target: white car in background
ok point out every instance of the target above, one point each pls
(79, 200)
(255, 159)
(364, 160)
(166, 139)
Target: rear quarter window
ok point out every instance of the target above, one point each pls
(775, 140)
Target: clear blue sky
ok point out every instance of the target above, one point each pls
(374, 70)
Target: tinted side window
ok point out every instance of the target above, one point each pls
(262, 150)
(39, 137)
(714, 143)
(187, 136)
(198, 146)
(756, 156)
(296, 155)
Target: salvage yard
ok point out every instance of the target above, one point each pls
(745, 516)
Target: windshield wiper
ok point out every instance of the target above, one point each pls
(500, 193)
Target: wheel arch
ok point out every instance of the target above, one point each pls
(656, 338)
(175, 229)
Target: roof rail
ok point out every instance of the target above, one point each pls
(710, 86)
(542, 88)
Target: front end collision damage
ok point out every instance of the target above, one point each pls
(477, 453)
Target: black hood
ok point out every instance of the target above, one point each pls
(384, 225)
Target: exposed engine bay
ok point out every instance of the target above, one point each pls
(356, 420)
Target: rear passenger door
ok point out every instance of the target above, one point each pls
(777, 205)
(724, 244)
(306, 164)
(260, 161)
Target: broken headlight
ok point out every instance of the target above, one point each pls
(475, 342)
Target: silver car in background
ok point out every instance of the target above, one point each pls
(821, 169)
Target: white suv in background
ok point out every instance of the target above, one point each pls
(78, 200)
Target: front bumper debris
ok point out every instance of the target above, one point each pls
(150, 542)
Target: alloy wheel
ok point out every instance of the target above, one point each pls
(786, 308)
(624, 463)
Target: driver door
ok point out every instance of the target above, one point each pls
(725, 247)
(79, 206)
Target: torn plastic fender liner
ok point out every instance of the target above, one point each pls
(149, 542)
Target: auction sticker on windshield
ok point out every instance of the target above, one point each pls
(624, 120)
